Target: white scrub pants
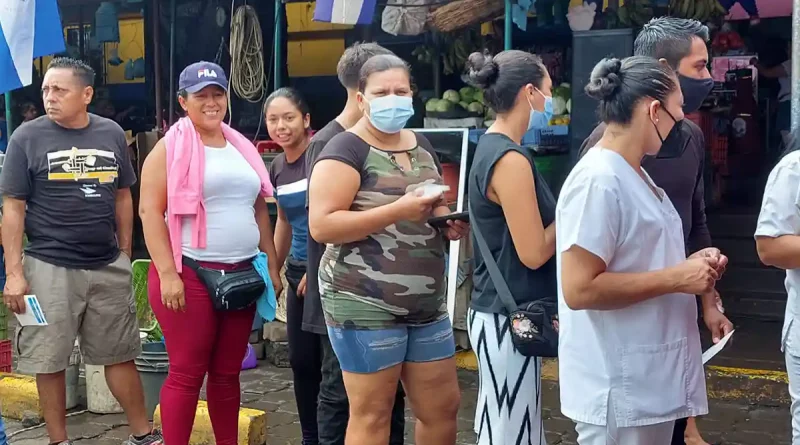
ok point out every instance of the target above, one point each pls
(610, 434)
(792, 355)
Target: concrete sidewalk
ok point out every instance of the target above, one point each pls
(270, 389)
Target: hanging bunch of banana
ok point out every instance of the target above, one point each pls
(424, 54)
(635, 13)
(702, 10)
(456, 53)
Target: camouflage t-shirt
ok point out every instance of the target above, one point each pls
(395, 276)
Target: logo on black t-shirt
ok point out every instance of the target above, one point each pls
(90, 191)
(82, 164)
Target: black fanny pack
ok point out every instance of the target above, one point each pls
(230, 290)
(531, 324)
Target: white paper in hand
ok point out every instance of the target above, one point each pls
(714, 350)
(33, 316)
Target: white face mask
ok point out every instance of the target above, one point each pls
(391, 113)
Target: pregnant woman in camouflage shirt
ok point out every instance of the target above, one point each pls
(381, 278)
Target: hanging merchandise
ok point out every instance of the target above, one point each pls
(139, 68)
(462, 13)
(94, 44)
(107, 22)
(456, 50)
(581, 18)
(129, 70)
(115, 60)
(247, 78)
(635, 13)
(346, 12)
(702, 10)
(519, 13)
(408, 19)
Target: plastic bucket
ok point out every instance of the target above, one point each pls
(99, 399)
(153, 366)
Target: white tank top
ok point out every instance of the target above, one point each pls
(230, 189)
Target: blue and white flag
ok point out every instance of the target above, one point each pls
(346, 12)
(28, 29)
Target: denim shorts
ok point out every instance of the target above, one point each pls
(364, 351)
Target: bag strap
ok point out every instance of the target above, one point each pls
(191, 263)
(500, 284)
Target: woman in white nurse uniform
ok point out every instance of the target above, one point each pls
(629, 352)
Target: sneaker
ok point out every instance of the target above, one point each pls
(154, 438)
(66, 442)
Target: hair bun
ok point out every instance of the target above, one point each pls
(482, 70)
(605, 80)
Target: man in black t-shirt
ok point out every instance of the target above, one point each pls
(66, 185)
(333, 410)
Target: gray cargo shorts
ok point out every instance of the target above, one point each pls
(95, 305)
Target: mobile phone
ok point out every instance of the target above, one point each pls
(440, 222)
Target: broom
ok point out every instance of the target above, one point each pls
(462, 13)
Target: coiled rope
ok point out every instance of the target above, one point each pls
(247, 79)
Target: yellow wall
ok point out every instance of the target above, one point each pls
(312, 57)
(309, 58)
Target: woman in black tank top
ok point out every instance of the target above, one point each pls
(514, 209)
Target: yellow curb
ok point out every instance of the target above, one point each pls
(723, 383)
(18, 396)
(252, 426)
(751, 374)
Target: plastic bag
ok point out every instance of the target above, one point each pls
(407, 20)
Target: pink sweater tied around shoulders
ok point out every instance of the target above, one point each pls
(186, 163)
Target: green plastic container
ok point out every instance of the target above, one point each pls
(4, 313)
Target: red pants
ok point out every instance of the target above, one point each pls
(200, 341)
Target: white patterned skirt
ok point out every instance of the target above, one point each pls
(509, 406)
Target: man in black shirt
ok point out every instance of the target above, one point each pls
(66, 185)
(333, 410)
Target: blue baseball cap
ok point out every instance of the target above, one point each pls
(199, 75)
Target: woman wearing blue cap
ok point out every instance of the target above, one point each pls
(210, 182)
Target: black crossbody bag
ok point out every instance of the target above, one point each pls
(530, 324)
(230, 290)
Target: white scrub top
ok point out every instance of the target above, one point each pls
(780, 215)
(646, 356)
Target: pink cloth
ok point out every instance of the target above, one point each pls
(186, 164)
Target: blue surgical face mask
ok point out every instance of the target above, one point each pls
(541, 119)
(390, 114)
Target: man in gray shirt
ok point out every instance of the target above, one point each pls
(66, 185)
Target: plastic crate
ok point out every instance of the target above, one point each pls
(553, 135)
(5, 356)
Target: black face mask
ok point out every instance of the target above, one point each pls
(674, 145)
(694, 91)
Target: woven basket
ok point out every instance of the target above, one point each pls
(462, 13)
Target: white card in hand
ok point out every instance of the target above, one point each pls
(33, 316)
(714, 350)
